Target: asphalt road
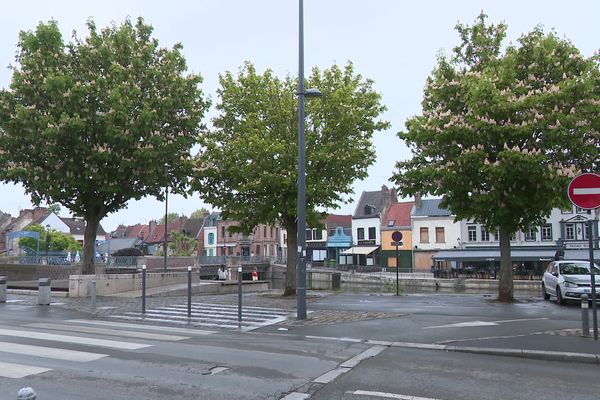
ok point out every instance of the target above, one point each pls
(72, 355)
(454, 376)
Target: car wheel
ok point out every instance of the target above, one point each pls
(559, 298)
(544, 293)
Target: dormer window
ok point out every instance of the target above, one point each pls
(369, 209)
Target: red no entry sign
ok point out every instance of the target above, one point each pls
(584, 191)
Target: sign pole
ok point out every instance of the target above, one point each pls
(593, 279)
(584, 192)
(397, 271)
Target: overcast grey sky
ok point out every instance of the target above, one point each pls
(393, 42)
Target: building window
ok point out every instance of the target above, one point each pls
(391, 223)
(424, 233)
(440, 236)
(211, 238)
(372, 233)
(582, 211)
(369, 209)
(530, 234)
(265, 232)
(360, 233)
(309, 234)
(472, 233)
(567, 210)
(222, 231)
(547, 232)
(317, 234)
(570, 231)
(331, 232)
(485, 235)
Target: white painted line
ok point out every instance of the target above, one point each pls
(171, 321)
(296, 396)
(331, 375)
(279, 310)
(49, 352)
(338, 339)
(586, 191)
(141, 326)
(114, 344)
(519, 320)
(18, 371)
(389, 395)
(370, 352)
(109, 332)
(463, 325)
(14, 301)
(427, 346)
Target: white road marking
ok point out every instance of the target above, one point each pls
(296, 396)
(586, 191)
(483, 323)
(211, 315)
(49, 352)
(109, 332)
(386, 395)
(339, 339)
(370, 352)
(114, 344)
(519, 320)
(141, 326)
(331, 375)
(463, 325)
(18, 371)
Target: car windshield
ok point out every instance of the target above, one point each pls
(577, 268)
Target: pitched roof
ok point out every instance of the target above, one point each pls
(430, 208)
(335, 220)
(398, 215)
(77, 226)
(192, 226)
(373, 200)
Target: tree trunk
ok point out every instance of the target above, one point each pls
(505, 283)
(292, 257)
(89, 246)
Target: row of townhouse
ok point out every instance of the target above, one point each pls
(432, 239)
(11, 228)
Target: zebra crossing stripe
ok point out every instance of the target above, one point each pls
(218, 320)
(110, 332)
(247, 308)
(229, 311)
(114, 344)
(18, 371)
(141, 326)
(49, 352)
(208, 314)
(181, 322)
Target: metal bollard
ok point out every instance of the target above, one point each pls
(26, 393)
(585, 321)
(44, 291)
(144, 289)
(93, 294)
(239, 270)
(3, 281)
(189, 292)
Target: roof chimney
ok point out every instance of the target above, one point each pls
(418, 202)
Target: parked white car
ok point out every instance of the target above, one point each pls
(568, 280)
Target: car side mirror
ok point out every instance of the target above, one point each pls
(555, 273)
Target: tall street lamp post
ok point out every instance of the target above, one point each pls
(301, 206)
(47, 241)
(166, 225)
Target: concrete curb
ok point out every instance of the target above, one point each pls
(31, 292)
(584, 358)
